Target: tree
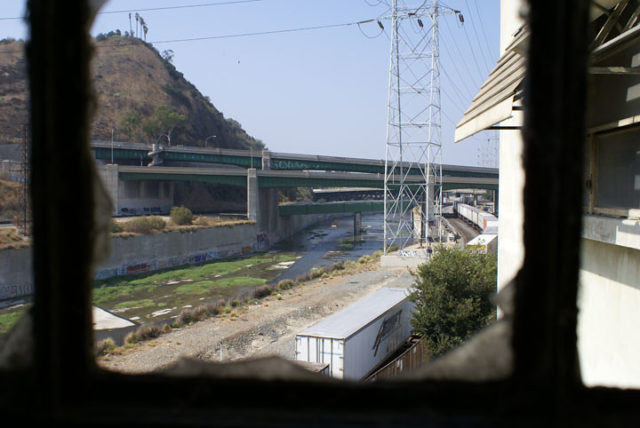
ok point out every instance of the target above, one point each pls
(168, 120)
(130, 123)
(451, 294)
(168, 55)
(163, 122)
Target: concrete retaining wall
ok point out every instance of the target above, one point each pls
(147, 253)
(164, 250)
(16, 279)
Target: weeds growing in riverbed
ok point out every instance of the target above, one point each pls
(230, 307)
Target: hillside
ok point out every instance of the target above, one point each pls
(131, 80)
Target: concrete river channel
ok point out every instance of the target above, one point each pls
(161, 296)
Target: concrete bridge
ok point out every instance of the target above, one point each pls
(139, 189)
(139, 154)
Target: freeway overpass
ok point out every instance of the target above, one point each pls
(286, 178)
(139, 189)
(138, 154)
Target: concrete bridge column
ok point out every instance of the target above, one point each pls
(262, 204)
(357, 224)
(111, 181)
(268, 211)
(253, 197)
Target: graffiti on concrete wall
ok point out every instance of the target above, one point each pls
(171, 262)
(262, 241)
(11, 291)
(138, 268)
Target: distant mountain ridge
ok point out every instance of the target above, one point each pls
(134, 85)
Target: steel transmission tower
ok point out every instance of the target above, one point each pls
(413, 170)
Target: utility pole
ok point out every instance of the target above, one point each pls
(111, 146)
(413, 141)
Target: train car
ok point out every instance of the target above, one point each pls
(487, 223)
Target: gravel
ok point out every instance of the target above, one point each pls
(266, 328)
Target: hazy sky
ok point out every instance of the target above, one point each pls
(320, 91)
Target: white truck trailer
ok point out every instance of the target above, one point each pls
(357, 339)
(487, 243)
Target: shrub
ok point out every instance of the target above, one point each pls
(105, 346)
(202, 221)
(181, 215)
(145, 224)
(200, 313)
(147, 331)
(338, 266)
(350, 265)
(213, 309)
(263, 291)
(185, 317)
(364, 259)
(131, 338)
(116, 227)
(285, 284)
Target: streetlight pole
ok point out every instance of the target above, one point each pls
(164, 135)
(207, 139)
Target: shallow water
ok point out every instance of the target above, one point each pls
(329, 242)
(146, 298)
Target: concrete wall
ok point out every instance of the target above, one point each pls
(164, 250)
(609, 294)
(511, 181)
(609, 319)
(16, 279)
(147, 253)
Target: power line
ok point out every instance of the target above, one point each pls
(473, 54)
(184, 6)
(484, 33)
(475, 32)
(264, 33)
(260, 33)
(462, 57)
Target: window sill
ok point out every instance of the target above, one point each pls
(616, 231)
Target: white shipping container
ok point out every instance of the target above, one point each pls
(357, 339)
(486, 243)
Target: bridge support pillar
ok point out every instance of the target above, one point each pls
(111, 180)
(253, 197)
(357, 224)
(262, 204)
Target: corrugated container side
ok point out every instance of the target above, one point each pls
(415, 355)
(322, 350)
(371, 345)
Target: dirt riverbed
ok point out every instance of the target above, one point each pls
(267, 327)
